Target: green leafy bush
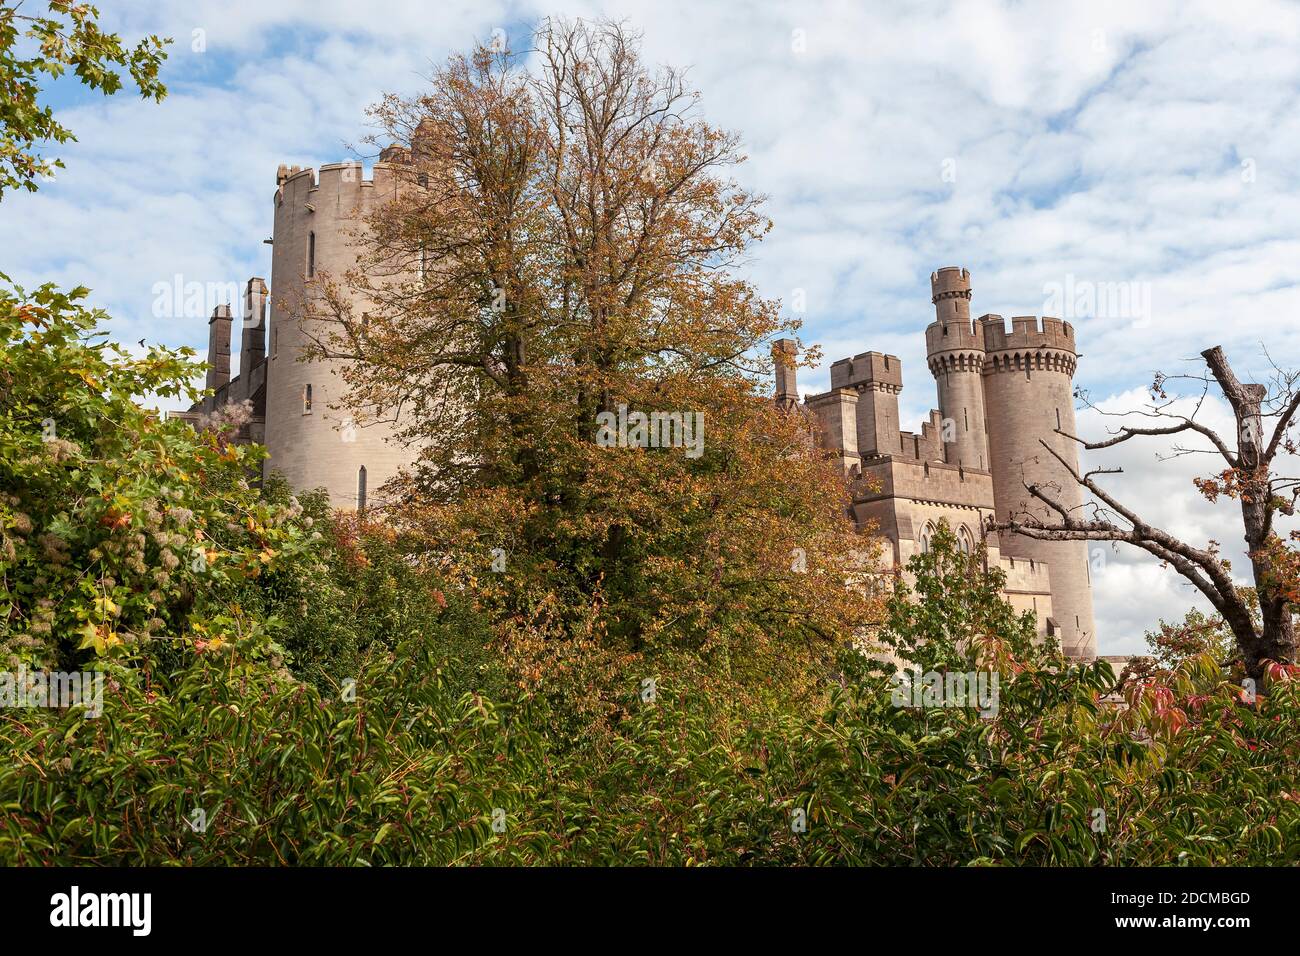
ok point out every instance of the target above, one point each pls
(241, 765)
(117, 527)
(411, 773)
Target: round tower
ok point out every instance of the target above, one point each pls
(1029, 395)
(313, 439)
(956, 357)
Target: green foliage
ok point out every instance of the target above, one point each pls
(116, 527)
(412, 773)
(406, 771)
(356, 591)
(953, 604)
(67, 38)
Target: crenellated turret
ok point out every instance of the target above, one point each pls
(876, 379)
(955, 352)
(1033, 342)
(1029, 394)
(314, 438)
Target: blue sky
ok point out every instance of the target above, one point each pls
(1151, 148)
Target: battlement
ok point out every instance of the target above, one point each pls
(954, 335)
(899, 476)
(950, 282)
(927, 446)
(1027, 333)
(868, 368)
(969, 461)
(339, 181)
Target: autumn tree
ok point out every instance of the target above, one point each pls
(563, 251)
(1264, 416)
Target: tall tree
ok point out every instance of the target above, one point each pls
(1264, 416)
(563, 254)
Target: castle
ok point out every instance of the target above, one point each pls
(1000, 393)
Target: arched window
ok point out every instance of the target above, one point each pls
(361, 488)
(964, 541)
(311, 254)
(306, 399)
(926, 536)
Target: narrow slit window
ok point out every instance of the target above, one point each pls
(306, 399)
(361, 488)
(311, 254)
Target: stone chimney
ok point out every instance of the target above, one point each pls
(784, 353)
(252, 343)
(219, 347)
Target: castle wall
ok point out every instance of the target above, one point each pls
(1028, 587)
(837, 410)
(877, 379)
(325, 445)
(906, 500)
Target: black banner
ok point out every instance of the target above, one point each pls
(134, 906)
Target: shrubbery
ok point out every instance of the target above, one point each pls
(411, 772)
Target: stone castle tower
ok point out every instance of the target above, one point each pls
(297, 407)
(1000, 393)
(312, 438)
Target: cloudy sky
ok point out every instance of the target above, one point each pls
(1149, 152)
